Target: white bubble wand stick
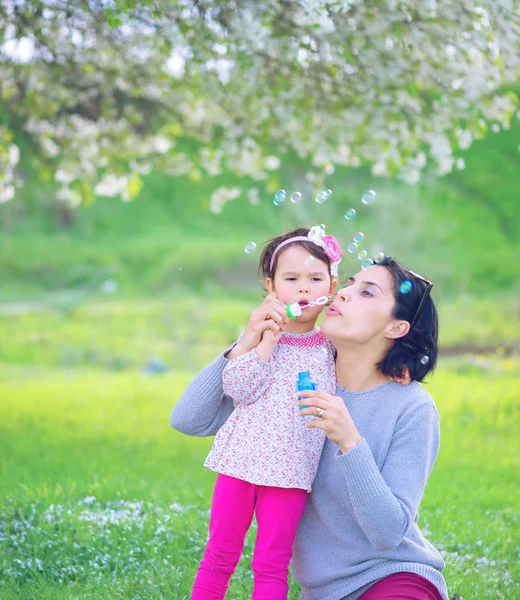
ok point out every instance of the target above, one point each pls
(295, 310)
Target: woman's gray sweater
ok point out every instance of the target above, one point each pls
(360, 522)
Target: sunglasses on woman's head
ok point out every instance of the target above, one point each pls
(424, 297)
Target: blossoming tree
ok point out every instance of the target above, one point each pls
(100, 93)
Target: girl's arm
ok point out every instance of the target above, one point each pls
(247, 377)
(203, 408)
(386, 502)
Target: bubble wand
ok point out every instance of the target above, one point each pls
(295, 310)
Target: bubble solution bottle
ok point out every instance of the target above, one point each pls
(305, 383)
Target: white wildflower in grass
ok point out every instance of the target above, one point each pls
(116, 544)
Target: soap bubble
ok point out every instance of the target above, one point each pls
(279, 198)
(380, 257)
(368, 197)
(352, 249)
(425, 360)
(359, 237)
(362, 255)
(366, 264)
(309, 260)
(250, 248)
(350, 214)
(405, 287)
(324, 196)
(320, 355)
(109, 286)
(296, 197)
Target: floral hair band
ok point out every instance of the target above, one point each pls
(316, 235)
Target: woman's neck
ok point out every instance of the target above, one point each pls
(356, 368)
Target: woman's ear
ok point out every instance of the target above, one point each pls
(333, 286)
(397, 329)
(270, 286)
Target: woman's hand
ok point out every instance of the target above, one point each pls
(335, 420)
(270, 315)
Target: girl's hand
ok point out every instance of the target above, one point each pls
(270, 316)
(271, 337)
(335, 419)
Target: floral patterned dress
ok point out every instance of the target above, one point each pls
(265, 441)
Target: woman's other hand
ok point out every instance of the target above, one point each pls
(334, 418)
(270, 316)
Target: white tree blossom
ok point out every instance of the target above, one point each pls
(102, 93)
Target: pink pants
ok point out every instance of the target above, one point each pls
(278, 511)
(402, 586)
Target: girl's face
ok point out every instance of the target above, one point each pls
(301, 277)
(362, 311)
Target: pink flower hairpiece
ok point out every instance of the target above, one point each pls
(329, 243)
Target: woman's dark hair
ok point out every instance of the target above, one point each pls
(422, 339)
(271, 245)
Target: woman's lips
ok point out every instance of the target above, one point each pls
(332, 310)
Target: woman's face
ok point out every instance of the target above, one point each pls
(362, 310)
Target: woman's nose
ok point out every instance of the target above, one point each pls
(343, 295)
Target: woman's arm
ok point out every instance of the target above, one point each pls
(203, 408)
(386, 502)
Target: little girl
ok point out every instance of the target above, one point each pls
(265, 455)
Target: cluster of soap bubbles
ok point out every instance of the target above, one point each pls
(368, 198)
(281, 196)
(323, 196)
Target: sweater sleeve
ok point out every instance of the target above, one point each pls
(246, 378)
(203, 407)
(386, 502)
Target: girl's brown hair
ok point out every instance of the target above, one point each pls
(271, 245)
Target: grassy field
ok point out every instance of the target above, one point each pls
(101, 499)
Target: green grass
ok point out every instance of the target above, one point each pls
(101, 499)
(187, 331)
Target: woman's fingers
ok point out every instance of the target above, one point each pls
(272, 303)
(270, 324)
(318, 395)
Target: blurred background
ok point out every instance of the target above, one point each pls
(141, 148)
